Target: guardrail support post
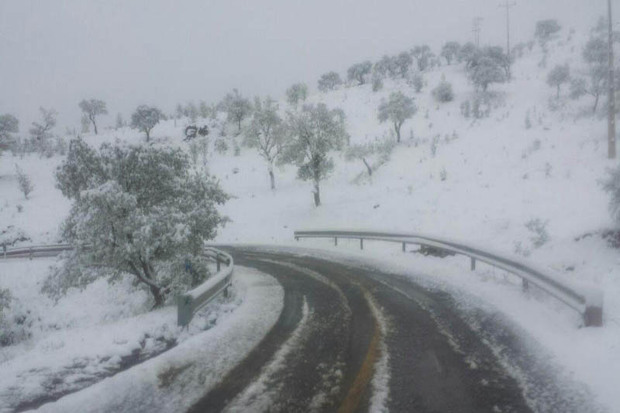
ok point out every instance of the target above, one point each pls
(30, 258)
(336, 241)
(593, 316)
(526, 285)
(361, 243)
(473, 264)
(4, 248)
(404, 246)
(217, 260)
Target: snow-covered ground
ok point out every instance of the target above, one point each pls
(480, 181)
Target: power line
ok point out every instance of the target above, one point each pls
(476, 28)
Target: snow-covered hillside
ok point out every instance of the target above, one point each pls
(480, 180)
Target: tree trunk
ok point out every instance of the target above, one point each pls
(397, 129)
(317, 195)
(95, 127)
(595, 103)
(272, 179)
(367, 167)
(148, 135)
(157, 296)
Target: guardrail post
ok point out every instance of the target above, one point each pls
(593, 316)
(4, 249)
(404, 246)
(217, 260)
(526, 285)
(336, 241)
(30, 253)
(361, 243)
(184, 310)
(473, 264)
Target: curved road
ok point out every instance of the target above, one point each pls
(351, 338)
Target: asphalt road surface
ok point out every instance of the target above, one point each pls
(351, 338)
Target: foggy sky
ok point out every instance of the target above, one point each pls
(54, 53)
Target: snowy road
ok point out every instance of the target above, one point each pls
(353, 339)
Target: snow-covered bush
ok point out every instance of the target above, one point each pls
(538, 229)
(397, 109)
(417, 82)
(313, 132)
(377, 82)
(138, 210)
(23, 180)
(443, 92)
(220, 146)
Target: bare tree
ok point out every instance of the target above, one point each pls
(359, 72)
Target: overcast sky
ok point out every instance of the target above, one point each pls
(53, 53)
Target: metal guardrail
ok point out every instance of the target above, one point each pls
(194, 300)
(187, 304)
(586, 300)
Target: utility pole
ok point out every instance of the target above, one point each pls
(508, 5)
(611, 124)
(476, 30)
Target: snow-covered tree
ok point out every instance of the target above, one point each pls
(266, 134)
(596, 81)
(485, 71)
(443, 92)
(145, 118)
(469, 54)
(450, 51)
(237, 108)
(120, 121)
(397, 109)
(41, 132)
(313, 132)
(385, 67)
(496, 53)
(423, 56)
(93, 108)
(329, 81)
(359, 72)
(191, 111)
(372, 154)
(297, 93)
(403, 63)
(138, 210)
(8, 125)
(24, 182)
(546, 30)
(559, 75)
(612, 186)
